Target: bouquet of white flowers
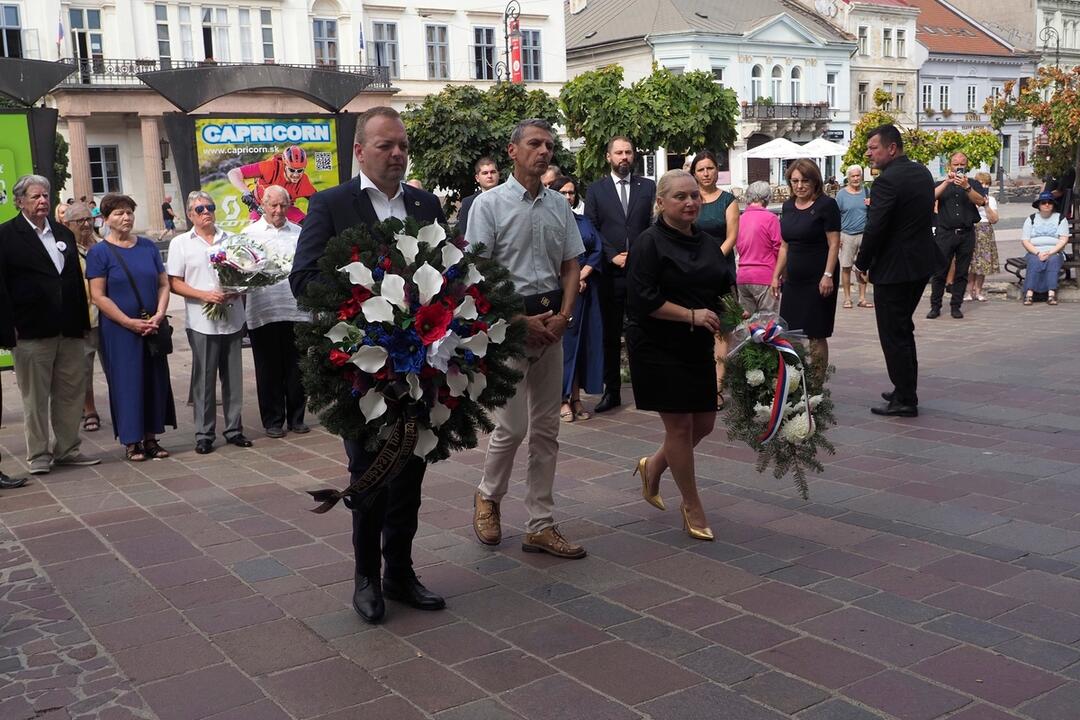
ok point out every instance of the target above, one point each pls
(243, 263)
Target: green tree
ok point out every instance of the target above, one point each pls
(678, 112)
(856, 152)
(451, 130)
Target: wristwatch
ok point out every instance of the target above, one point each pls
(827, 274)
(568, 318)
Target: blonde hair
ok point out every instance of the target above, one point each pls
(663, 186)
(984, 179)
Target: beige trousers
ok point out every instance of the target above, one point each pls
(532, 411)
(51, 374)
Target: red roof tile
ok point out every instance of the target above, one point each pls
(943, 30)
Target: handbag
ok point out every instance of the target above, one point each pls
(543, 302)
(159, 343)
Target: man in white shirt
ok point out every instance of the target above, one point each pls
(215, 344)
(271, 314)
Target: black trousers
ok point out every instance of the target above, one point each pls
(612, 311)
(894, 304)
(386, 528)
(277, 374)
(952, 244)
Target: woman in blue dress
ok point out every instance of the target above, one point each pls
(583, 349)
(140, 393)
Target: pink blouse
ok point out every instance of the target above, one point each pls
(758, 245)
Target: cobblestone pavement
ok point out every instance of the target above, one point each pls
(933, 574)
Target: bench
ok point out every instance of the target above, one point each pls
(1070, 269)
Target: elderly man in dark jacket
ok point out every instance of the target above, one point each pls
(45, 320)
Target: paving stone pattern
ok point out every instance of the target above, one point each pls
(933, 574)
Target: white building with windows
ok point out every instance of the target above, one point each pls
(1024, 25)
(113, 122)
(788, 66)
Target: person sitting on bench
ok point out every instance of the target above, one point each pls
(1045, 235)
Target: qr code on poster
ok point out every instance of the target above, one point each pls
(324, 161)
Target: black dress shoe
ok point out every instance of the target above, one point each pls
(299, 429)
(9, 483)
(238, 440)
(888, 396)
(204, 447)
(956, 313)
(275, 432)
(609, 401)
(896, 409)
(411, 592)
(934, 313)
(367, 599)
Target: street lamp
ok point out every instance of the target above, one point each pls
(1047, 34)
(503, 69)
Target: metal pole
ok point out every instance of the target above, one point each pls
(1048, 33)
(502, 68)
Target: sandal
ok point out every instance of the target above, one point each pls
(865, 304)
(154, 450)
(136, 452)
(91, 422)
(848, 305)
(1029, 300)
(580, 411)
(568, 414)
(1051, 298)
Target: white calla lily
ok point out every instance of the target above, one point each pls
(451, 256)
(457, 381)
(359, 274)
(377, 309)
(408, 246)
(497, 332)
(429, 281)
(477, 385)
(477, 344)
(426, 441)
(440, 351)
(439, 414)
(415, 391)
(393, 289)
(372, 404)
(473, 276)
(369, 358)
(431, 235)
(342, 331)
(467, 309)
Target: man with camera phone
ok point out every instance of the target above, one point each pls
(958, 199)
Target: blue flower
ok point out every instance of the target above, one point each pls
(406, 351)
(470, 357)
(453, 272)
(462, 328)
(377, 274)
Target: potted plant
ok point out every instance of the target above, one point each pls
(946, 112)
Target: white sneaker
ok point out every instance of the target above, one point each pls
(967, 297)
(40, 466)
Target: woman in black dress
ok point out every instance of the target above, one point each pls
(810, 226)
(676, 276)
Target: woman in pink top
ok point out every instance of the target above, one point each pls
(758, 245)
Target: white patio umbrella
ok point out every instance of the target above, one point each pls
(779, 148)
(820, 147)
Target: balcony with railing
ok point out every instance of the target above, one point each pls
(120, 73)
(786, 111)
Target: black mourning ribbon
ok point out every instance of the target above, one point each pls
(389, 461)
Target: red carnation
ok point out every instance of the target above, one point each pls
(483, 306)
(432, 322)
(338, 357)
(360, 293)
(348, 309)
(386, 263)
(479, 326)
(355, 256)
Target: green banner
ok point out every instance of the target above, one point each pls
(240, 157)
(15, 160)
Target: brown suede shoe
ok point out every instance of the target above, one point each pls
(486, 520)
(551, 541)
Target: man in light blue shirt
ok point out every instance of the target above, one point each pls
(853, 201)
(531, 231)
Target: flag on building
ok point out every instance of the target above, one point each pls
(361, 38)
(59, 32)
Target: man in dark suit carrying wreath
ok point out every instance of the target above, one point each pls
(385, 530)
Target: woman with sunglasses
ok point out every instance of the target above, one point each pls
(215, 343)
(1044, 236)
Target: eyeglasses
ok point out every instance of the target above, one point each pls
(801, 181)
(82, 220)
(200, 209)
(1046, 202)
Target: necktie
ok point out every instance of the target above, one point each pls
(624, 195)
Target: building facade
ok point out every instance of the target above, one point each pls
(967, 64)
(1024, 23)
(789, 68)
(113, 123)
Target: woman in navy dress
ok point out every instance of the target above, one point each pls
(583, 349)
(140, 393)
(810, 245)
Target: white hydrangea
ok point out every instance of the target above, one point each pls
(797, 429)
(755, 377)
(762, 413)
(793, 378)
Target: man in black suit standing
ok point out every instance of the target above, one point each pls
(620, 206)
(487, 177)
(958, 199)
(899, 255)
(377, 193)
(47, 321)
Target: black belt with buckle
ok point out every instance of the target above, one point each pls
(543, 302)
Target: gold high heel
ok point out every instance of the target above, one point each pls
(696, 533)
(655, 500)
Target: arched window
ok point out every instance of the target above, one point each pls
(796, 84)
(756, 89)
(776, 87)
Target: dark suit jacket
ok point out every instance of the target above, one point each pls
(604, 210)
(463, 212)
(338, 208)
(38, 302)
(897, 243)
